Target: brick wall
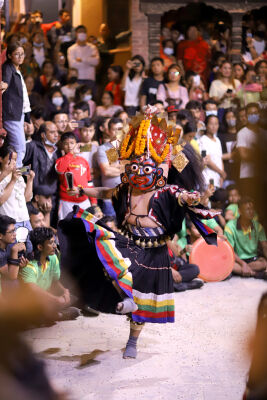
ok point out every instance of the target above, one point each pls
(139, 26)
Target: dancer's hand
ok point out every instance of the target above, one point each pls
(73, 192)
(191, 198)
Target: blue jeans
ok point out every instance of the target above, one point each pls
(108, 209)
(16, 138)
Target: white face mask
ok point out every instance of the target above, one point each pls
(168, 50)
(81, 36)
(211, 112)
(231, 122)
(87, 97)
(57, 101)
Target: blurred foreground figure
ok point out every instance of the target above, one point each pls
(22, 375)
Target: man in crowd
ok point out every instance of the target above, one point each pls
(150, 85)
(245, 236)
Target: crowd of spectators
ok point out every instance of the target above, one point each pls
(65, 104)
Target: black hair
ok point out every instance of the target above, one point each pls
(6, 149)
(80, 27)
(188, 74)
(193, 104)
(5, 221)
(132, 72)
(109, 93)
(37, 12)
(113, 121)
(39, 236)
(250, 105)
(62, 11)
(92, 209)
(54, 90)
(88, 122)
(48, 61)
(117, 69)
(157, 59)
(168, 40)
(210, 101)
(38, 112)
(219, 195)
(58, 112)
(157, 102)
(82, 105)
(32, 210)
(81, 90)
(185, 114)
(68, 135)
(209, 117)
(245, 200)
(189, 127)
(258, 64)
(231, 187)
(107, 218)
(12, 47)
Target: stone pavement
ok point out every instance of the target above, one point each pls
(203, 356)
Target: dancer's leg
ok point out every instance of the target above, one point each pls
(135, 330)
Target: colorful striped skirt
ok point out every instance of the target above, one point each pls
(94, 256)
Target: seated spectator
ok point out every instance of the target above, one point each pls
(79, 168)
(55, 102)
(107, 109)
(131, 83)
(115, 73)
(211, 145)
(69, 89)
(150, 85)
(81, 110)
(29, 131)
(37, 117)
(14, 192)
(9, 250)
(36, 217)
(16, 104)
(245, 235)
(109, 221)
(210, 107)
(110, 172)
(42, 201)
(84, 93)
(231, 211)
(42, 275)
(250, 90)
(195, 108)
(172, 93)
(172, 113)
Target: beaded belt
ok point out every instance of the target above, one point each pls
(145, 237)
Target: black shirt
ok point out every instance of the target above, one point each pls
(149, 89)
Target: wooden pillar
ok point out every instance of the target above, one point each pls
(236, 35)
(154, 25)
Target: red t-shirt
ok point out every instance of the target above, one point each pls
(115, 88)
(81, 176)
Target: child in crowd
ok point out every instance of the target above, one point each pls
(231, 211)
(80, 170)
(42, 274)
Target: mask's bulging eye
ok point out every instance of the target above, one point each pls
(148, 170)
(134, 167)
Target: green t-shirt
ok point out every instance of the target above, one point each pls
(245, 244)
(182, 236)
(211, 223)
(42, 276)
(234, 208)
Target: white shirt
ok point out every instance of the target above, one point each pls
(246, 138)
(39, 55)
(15, 206)
(90, 59)
(214, 150)
(26, 102)
(132, 89)
(259, 46)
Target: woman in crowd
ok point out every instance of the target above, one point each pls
(34, 97)
(250, 90)
(223, 90)
(69, 89)
(43, 82)
(131, 83)
(227, 136)
(195, 86)
(108, 108)
(115, 73)
(38, 48)
(55, 102)
(239, 72)
(211, 150)
(172, 93)
(16, 103)
(84, 93)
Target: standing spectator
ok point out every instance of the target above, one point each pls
(84, 57)
(110, 172)
(43, 82)
(115, 73)
(131, 83)
(69, 89)
(80, 170)
(214, 170)
(250, 90)
(14, 192)
(167, 53)
(62, 33)
(239, 71)
(223, 90)
(195, 86)
(172, 93)
(194, 53)
(38, 48)
(61, 71)
(16, 104)
(210, 107)
(108, 108)
(196, 109)
(88, 147)
(255, 45)
(84, 93)
(246, 140)
(150, 85)
(61, 121)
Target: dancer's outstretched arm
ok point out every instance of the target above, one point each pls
(98, 192)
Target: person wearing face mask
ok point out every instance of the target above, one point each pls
(246, 143)
(84, 57)
(210, 107)
(167, 53)
(56, 102)
(83, 93)
(228, 136)
(41, 155)
(38, 48)
(256, 44)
